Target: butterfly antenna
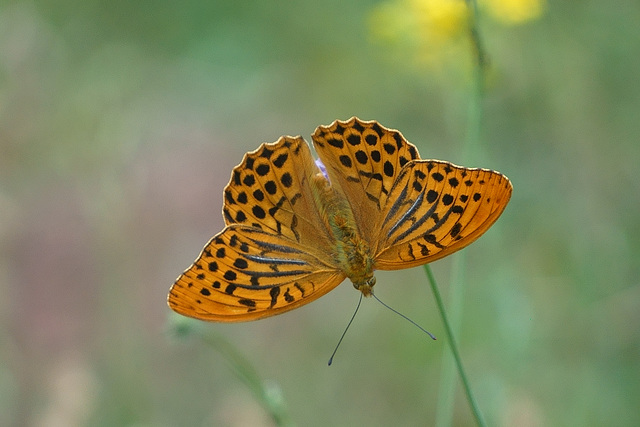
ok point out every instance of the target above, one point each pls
(403, 316)
(345, 330)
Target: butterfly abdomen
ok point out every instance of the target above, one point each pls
(352, 254)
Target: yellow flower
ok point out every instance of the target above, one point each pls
(514, 11)
(436, 33)
(440, 21)
(433, 29)
(424, 21)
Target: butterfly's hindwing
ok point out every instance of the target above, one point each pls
(245, 273)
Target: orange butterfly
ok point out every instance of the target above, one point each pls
(296, 228)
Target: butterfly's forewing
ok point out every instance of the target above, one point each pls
(436, 208)
(363, 159)
(270, 190)
(275, 253)
(245, 274)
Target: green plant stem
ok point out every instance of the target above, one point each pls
(454, 348)
(474, 119)
(269, 397)
(474, 35)
(470, 152)
(448, 374)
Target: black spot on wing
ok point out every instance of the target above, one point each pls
(274, 292)
(247, 302)
(280, 160)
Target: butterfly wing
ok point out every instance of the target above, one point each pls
(436, 208)
(245, 273)
(270, 190)
(409, 211)
(275, 253)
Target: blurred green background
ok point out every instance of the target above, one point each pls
(121, 121)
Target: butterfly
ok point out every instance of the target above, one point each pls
(297, 227)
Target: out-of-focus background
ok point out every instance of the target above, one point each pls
(120, 123)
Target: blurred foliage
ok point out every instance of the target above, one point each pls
(120, 123)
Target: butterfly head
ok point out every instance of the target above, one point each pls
(365, 286)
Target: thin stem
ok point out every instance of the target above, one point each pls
(267, 394)
(474, 35)
(448, 374)
(474, 119)
(454, 348)
(470, 152)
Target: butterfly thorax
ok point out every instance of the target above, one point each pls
(351, 252)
